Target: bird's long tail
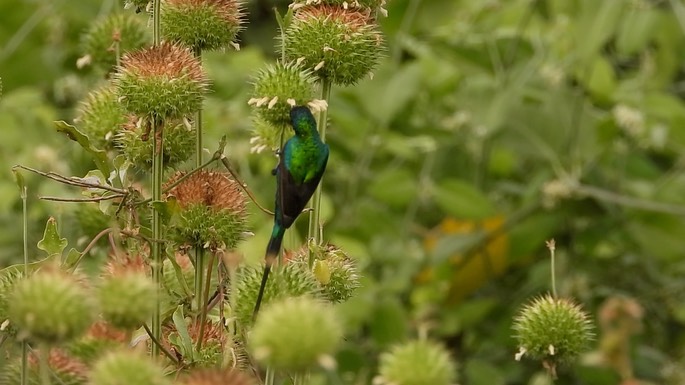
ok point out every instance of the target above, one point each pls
(272, 250)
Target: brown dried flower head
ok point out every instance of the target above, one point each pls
(213, 189)
(164, 81)
(63, 365)
(124, 264)
(217, 377)
(211, 210)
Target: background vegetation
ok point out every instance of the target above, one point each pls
(490, 127)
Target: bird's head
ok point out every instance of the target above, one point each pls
(303, 121)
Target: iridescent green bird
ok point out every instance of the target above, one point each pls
(299, 171)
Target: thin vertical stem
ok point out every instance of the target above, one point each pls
(156, 22)
(199, 277)
(25, 225)
(552, 247)
(157, 171)
(198, 122)
(315, 215)
(270, 377)
(157, 257)
(44, 357)
(204, 298)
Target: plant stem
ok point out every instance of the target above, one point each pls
(199, 277)
(314, 216)
(204, 299)
(44, 357)
(157, 171)
(198, 122)
(552, 247)
(157, 257)
(25, 225)
(270, 377)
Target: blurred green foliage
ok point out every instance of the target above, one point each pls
(490, 127)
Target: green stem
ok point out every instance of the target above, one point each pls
(44, 357)
(199, 278)
(270, 377)
(205, 298)
(198, 122)
(157, 257)
(25, 225)
(315, 215)
(156, 22)
(157, 173)
(551, 246)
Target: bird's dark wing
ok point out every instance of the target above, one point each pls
(293, 197)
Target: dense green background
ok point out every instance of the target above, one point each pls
(536, 119)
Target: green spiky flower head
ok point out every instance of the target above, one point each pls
(101, 116)
(553, 330)
(295, 334)
(50, 307)
(202, 24)
(126, 368)
(210, 210)
(279, 87)
(360, 5)
(164, 81)
(340, 45)
(135, 143)
(112, 36)
(417, 363)
(290, 280)
(335, 271)
(127, 299)
(9, 277)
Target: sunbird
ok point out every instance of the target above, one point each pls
(300, 168)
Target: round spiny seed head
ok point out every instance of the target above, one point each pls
(362, 5)
(100, 339)
(335, 271)
(164, 81)
(277, 88)
(126, 368)
(264, 135)
(50, 307)
(9, 277)
(127, 300)
(135, 263)
(68, 370)
(202, 24)
(417, 363)
(100, 116)
(295, 334)
(291, 280)
(123, 30)
(217, 377)
(554, 330)
(211, 210)
(134, 143)
(340, 45)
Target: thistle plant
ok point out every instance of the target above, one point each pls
(551, 329)
(416, 363)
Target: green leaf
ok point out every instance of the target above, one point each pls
(19, 179)
(182, 329)
(389, 322)
(462, 200)
(51, 243)
(396, 187)
(479, 372)
(99, 156)
(71, 258)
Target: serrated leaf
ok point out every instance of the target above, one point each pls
(51, 243)
(99, 156)
(462, 200)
